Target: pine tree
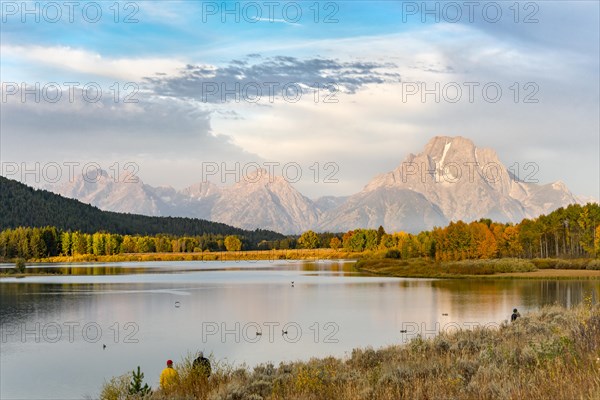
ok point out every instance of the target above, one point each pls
(380, 233)
(135, 386)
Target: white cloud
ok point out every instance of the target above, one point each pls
(87, 62)
(372, 130)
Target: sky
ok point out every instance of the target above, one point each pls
(327, 93)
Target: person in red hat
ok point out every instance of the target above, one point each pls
(168, 377)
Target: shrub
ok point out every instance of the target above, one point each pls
(544, 263)
(392, 253)
(556, 263)
(116, 388)
(593, 265)
(20, 265)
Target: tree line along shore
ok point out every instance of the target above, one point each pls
(568, 238)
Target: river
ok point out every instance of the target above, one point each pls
(63, 335)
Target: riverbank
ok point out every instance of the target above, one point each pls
(313, 255)
(372, 262)
(290, 254)
(469, 269)
(552, 353)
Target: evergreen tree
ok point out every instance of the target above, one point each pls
(380, 233)
(136, 386)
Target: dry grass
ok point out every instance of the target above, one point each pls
(493, 268)
(422, 268)
(550, 354)
(291, 254)
(569, 263)
(555, 273)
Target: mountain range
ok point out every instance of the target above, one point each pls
(24, 206)
(451, 179)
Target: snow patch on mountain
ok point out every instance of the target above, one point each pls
(450, 180)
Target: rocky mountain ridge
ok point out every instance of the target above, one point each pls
(450, 179)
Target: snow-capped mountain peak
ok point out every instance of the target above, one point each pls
(450, 179)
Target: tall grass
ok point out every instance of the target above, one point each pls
(289, 254)
(550, 354)
(558, 263)
(427, 268)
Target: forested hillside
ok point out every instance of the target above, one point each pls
(37, 223)
(21, 205)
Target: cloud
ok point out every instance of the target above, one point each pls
(270, 77)
(87, 62)
(162, 134)
(373, 128)
(369, 130)
(569, 27)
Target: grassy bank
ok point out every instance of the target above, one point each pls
(374, 262)
(493, 268)
(255, 255)
(293, 254)
(550, 354)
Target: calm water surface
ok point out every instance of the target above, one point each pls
(54, 327)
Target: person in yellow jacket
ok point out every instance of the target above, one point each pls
(168, 377)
